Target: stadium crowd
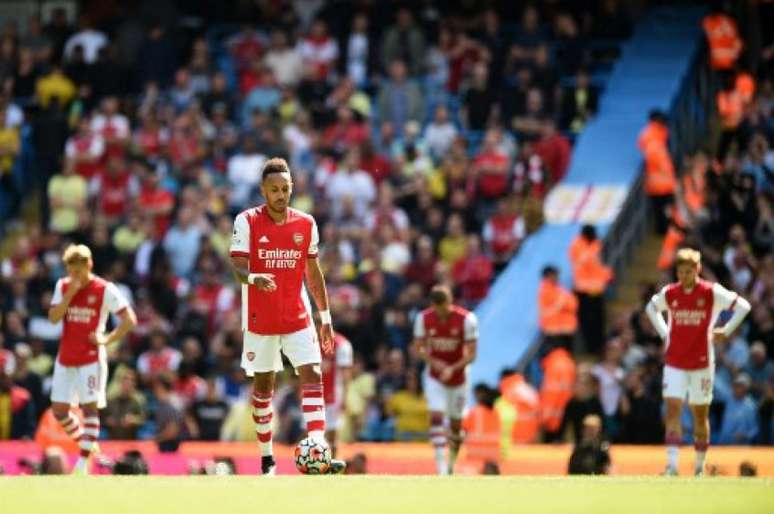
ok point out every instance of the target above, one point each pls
(423, 146)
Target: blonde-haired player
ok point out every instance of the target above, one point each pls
(83, 301)
(692, 306)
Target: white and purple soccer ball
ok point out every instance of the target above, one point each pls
(312, 457)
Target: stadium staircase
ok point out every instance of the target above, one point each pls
(658, 68)
(641, 270)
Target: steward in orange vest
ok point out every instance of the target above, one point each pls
(723, 39)
(558, 310)
(660, 181)
(590, 279)
(482, 429)
(525, 400)
(556, 391)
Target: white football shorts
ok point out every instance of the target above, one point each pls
(442, 398)
(261, 353)
(80, 384)
(696, 384)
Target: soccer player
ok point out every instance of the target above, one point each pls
(445, 338)
(273, 248)
(83, 301)
(336, 373)
(692, 306)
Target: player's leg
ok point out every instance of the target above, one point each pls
(455, 408)
(331, 426)
(436, 402)
(700, 398)
(675, 388)
(303, 351)
(92, 384)
(260, 359)
(63, 393)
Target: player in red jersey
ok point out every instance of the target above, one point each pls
(445, 338)
(273, 248)
(692, 306)
(83, 301)
(336, 373)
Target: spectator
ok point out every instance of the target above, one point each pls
(170, 423)
(579, 103)
(125, 412)
(491, 168)
(159, 360)
(284, 61)
(558, 310)
(359, 51)
(660, 182)
(439, 133)
(404, 41)
(503, 233)
(591, 456)
(319, 50)
(740, 418)
(67, 196)
(640, 413)
(400, 100)
(409, 408)
(157, 59)
(610, 375)
(760, 370)
(479, 101)
(554, 150)
(182, 243)
(10, 145)
(54, 87)
(472, 273)
(206, 416)
(584, 402)
(90, 39)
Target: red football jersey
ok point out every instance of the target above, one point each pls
(446, 338)
(281, 250)
(87, 313)
(341, 357)
(691, 317)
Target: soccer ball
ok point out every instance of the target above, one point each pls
(312, 457)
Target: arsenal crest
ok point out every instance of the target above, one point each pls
(432, 331)
(250, 356)
(674, 303)
(700, 302)
(91, 298)
(298, 238)
(454, 332)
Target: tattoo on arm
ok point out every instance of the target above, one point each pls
(240, 267)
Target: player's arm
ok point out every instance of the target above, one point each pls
(419, 345)
(60, 302)
(315, 281)
(240, 258)
(655, 307)
(128, 320)
(469, 348)
(738, 306)
(469, 355)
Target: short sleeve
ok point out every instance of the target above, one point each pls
(314, 242)
(722, 297)
(471, 327)
(56, 299)
(115, 301)
(344, 354)
(659, 300)
(240, 238)
(419, 326)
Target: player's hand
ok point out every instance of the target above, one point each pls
(446, 373)
(264, 281)
(98, 338)
(719, 336)
(326, 338)
(75, 285)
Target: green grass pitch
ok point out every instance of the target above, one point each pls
(384, 494)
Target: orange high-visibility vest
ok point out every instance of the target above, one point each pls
(557, 388)
(590, 275)
(659, 169)
(672, 241)
(557, 308)
(693, 191)
(482, 434)
(745, 86)
(51, 433)
(724, 41)
(730, 108)
(525, 400)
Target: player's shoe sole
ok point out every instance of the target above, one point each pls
(337, 467)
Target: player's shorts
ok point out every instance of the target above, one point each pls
(80, 384)
(261, 353)
(696, 384)
(442, 398)
(332, 415)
